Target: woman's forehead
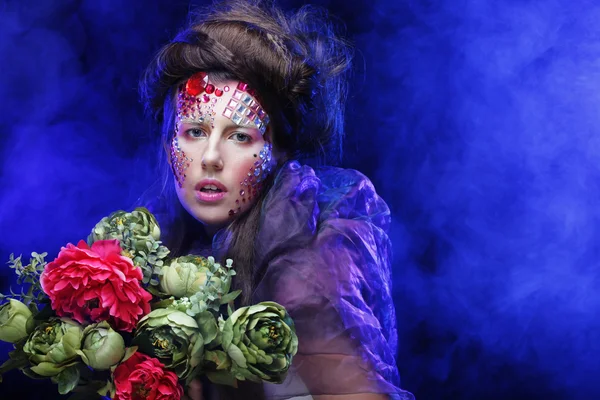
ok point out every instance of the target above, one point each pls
(200, 100)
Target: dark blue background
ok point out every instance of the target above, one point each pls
(477, 121)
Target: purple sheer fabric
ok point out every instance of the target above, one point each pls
(322, 251)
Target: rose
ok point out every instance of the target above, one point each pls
(96, 284)
(173, 337)
(261, 342)
(52, 346)
(13, 321)
(144, 377)
(102, 347)
(184, 276)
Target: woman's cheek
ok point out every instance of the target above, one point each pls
(251, 176)
(180, 162)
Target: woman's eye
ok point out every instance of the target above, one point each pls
(195, 132)
(241, 137)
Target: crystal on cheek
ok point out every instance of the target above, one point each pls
(179, 161)
(256, 176)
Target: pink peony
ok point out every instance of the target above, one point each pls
(96, 284)
(144, 377)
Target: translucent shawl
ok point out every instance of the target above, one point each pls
(322, 251)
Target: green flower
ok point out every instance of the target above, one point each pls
(13, 321)
(53, 346)
(261, 341)
(102, 347)
(184, 276)
(140, 223)
(173, 337)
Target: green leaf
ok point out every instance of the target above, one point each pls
(236, 355)
(207, 325)
(230, 296)
(129, 352)
(67, 379)
(44, 314)
(18, 360)
(218, 357)
(222, 378)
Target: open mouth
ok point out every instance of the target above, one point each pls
(210, 189)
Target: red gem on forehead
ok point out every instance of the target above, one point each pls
(218, 92)
(210, 88)
(196, 84)
(242, 86)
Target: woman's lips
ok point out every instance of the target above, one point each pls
(209, 196)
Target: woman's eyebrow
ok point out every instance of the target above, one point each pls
(194, 123)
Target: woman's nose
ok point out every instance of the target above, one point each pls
(211, 159)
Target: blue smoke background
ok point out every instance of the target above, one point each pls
(477, 121)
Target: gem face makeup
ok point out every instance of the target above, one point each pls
(179, 161)
(197, 100)
(253, 183)
(220, 154)
(244, 110)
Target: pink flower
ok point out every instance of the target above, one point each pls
(144, 377)
(96, 284)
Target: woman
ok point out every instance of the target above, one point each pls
(240, 95)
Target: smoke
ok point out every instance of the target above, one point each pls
(74, 144)
(477, 121)
(487, 151)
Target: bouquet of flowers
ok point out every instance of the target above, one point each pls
(117, 317)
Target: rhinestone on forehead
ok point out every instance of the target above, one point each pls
(244, 110)
(194, 108)
(195, 104)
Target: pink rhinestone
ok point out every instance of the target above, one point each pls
(228, 113)
(205, 98)
(226, 89)
(242, 86)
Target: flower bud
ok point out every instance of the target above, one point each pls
(102, 347)
(13, 321)
(184, 276)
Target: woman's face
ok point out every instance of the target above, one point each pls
(220, 153)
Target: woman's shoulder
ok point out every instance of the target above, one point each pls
(306, 206)
(329, 193)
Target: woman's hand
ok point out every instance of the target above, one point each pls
(194, 391)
